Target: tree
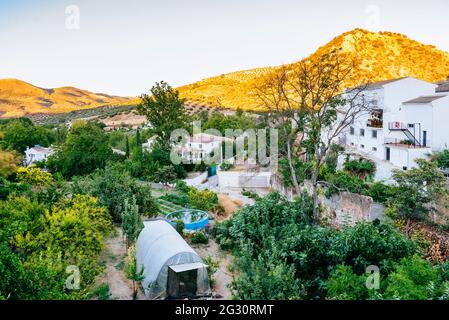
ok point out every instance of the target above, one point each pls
(418, 189)
(132, 270)
(85, 149)
(307, 103)
(165, 175)
(132, 222)
(8, 163)
(112, 185)
(127, 151)
(442, 159)
(22, 133)
(165, 112)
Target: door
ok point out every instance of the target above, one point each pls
(181, 284)
(424, 138)
(387, 154)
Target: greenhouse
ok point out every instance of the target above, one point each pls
(172, 269)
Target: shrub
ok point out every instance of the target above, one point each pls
(361, 168)
(381, 192)
(200, 237)
(203, 199)
(180, 225)
(343, 181)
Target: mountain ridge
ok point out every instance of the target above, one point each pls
(383, 56)
(20, 98)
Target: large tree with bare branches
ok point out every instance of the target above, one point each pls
(311, 105)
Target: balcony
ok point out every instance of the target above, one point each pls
(376, 119)
(396, 125)
(403, 143)
(375, 123)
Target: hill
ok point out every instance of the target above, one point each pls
(18, 98)
(382, 56)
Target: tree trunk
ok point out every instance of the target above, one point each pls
(134, 290)
(316, 209)
(293, 177)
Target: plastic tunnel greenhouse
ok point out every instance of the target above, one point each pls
(172, 269)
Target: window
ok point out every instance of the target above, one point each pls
(362, 132)
(374, 149)
(351, 131)
(374, 134)
(352, 143)
(362, 146)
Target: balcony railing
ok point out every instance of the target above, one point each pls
(396, 125)
(403, 143)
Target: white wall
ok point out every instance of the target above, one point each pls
(440, 136)
(243, 179)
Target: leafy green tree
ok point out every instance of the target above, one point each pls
(22, 133)
(417, 189)
(85, 149)
(165, 175)
(132, 222)
(442, 159)
(127, 151)
(165, 112)
(112, 186)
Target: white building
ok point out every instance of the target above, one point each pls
(37, 154)
(201, 146)
(406, 122)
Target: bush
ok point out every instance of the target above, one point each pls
(381, 192)
(250, 194)
(180, 225)
(203, 199)
(343, 181)
(361, 168)
(200, 237)
(112, 186)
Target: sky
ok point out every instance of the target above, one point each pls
(122, 47)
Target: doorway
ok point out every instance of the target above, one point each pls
(387, 153)
(424, 138)
(181, 284)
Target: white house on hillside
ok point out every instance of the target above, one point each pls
(200, 146)
(407, 121)
(197, 147)
(37, 154)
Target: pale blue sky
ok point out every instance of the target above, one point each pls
(123, 46)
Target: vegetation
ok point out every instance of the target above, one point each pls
(85, 150)
(200, 237)
(20, 133)
(133, 272)
(165, 111)
(112, 186)
(275, 246)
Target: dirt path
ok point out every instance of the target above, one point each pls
(223, 277)
(114, 257)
